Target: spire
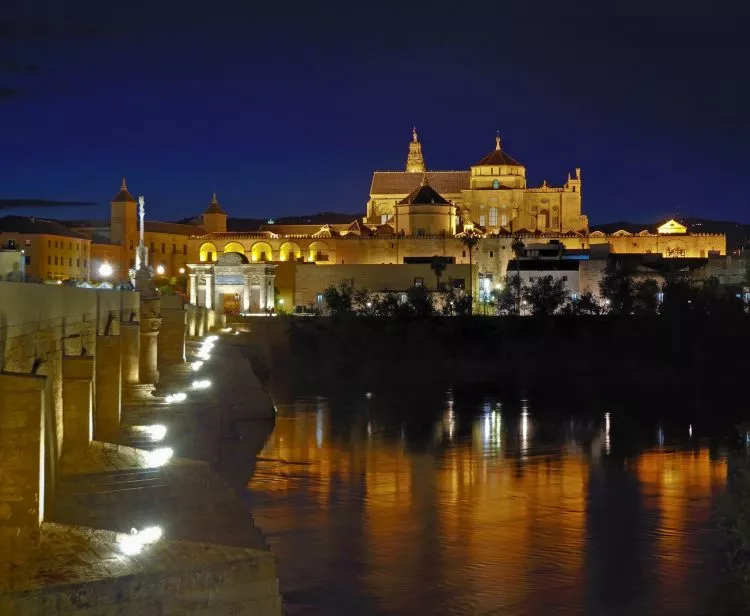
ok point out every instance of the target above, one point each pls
(123, 196)
(415, 161)
(214, 208)
(497, 141)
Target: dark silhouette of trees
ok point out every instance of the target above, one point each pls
(546, 295)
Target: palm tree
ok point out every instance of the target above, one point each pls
(470, 239)
(518, 247)
(438, 266)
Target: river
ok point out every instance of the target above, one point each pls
(469, 504)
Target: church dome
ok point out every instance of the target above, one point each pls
(123, 196)
(498, 157)
(424, 195)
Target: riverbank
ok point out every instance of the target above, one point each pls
(697, 360)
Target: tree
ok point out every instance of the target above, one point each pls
(645, 296)
(470, 238)
(585, 305)
(438, 267)
(362, 302)
(617, 289)
(339, 299)
(420, 301)
(545, 295)
(508, 299)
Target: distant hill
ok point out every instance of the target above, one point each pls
(738, 235)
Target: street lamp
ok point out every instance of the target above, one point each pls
(105, 270)
(160, 270)
(182, 270)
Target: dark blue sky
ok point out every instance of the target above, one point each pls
(287, 107)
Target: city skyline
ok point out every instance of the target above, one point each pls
(286, 112)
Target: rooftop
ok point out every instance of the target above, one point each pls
(37, 226)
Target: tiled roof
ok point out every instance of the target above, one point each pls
(402, 183)
(34, 225)
(303, 229)
(214, 208)
(498, 157)
(123, 196)
(424, 195)
(174, 228)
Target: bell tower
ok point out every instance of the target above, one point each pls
(123, 223)
(415, 161)
(214, 218)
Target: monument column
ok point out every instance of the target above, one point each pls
(150, 324)
(193, 288)
(209, 299)
(78, 421)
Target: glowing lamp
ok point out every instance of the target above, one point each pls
(160, 270)
(105, 270)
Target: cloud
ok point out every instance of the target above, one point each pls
(7, 94)
(13, 203)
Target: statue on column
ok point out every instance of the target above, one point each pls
(143, 282)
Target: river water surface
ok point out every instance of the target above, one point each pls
(476, 505)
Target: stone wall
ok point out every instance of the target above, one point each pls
(38, 325)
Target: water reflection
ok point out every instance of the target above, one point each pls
(492, 514)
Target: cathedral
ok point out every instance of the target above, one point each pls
(492, 195)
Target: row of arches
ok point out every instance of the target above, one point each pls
(263, 251)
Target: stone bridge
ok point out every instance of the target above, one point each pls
(120, 457)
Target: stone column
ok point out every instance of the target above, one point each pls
(270, 296)
(108, 388)
(209, 299)
(246, 293)
(21, 451)
(193, 288)
(150, 324)
(262, 298)
(78, 421)
(130, 348)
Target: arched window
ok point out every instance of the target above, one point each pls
(207, 252)
(495, 184)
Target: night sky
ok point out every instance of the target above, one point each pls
(288, 107)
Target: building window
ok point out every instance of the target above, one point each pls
(184, 249)
(402, 298)
(493, 217)
(419, 282)
(565, 279)
(151, 248)
(495, 184)
(482, 220)
(49, 260)
(70, 261)
(458, 283)
(27, 260)
(319, 298)
(27, 242)
(55, 260)
(504, 220)
(209, 256)
(464, 254)
(85, 263)
(174, 248)
(163, 250)
(492, 254)
(78, 263)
